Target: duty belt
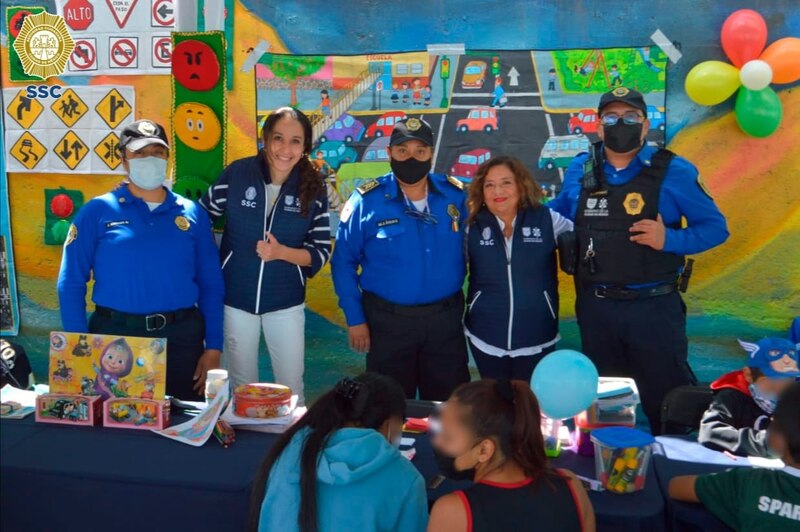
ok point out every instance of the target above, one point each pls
(630, 294)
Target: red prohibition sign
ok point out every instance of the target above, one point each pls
(162, 49)
(161, 10)
(86, 52)
(118, 50)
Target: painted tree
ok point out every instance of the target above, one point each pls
(291, 68)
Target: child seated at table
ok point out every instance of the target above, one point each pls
(489, 431)
(339, 468)
(754, 499)
(737, 419)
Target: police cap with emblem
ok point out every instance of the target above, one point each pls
(141, 133)
(411, 129)
(624, 95)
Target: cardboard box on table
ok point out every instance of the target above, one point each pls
(69, 409)
(126, 373)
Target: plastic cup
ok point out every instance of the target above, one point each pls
(215, 380)
(621, 457)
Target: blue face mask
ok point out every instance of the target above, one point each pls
(147, 173)
(765, 401)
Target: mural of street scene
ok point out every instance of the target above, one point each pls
(537, 106)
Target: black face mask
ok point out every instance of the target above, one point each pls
(411, 170)
(447, 467)
(622, 137)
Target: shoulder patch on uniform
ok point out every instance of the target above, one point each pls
(703, 187)
(455, 182)
(72, 235)
(369, 185)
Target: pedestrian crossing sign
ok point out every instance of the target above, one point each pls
(69, 108)
(23, 110)
(28, 151)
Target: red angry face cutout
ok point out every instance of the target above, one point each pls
(195, 66)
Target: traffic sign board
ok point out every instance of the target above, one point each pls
(84, 56)
(71, 150)
(113, 108)
(28, 150)
(107, 150)
(23, 110)
(162, 13)
(162, 51)
(69, 107)
(121, 9)
(78, 14)
(122, 52)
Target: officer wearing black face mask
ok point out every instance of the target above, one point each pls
(404, 231)
(627, 200)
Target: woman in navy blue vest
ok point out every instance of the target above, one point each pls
(512, 311)
(277, 234)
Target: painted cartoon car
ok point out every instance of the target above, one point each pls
(557, 152)
(377, 151)
(385, 124)
(478, 119)
(656, 117)
(336, 152)
(474, 75)
(346, 128)
(468, 162)
(583, 122)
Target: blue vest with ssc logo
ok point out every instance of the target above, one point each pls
(281, 284)
(512, 305)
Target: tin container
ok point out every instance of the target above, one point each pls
(262, 400)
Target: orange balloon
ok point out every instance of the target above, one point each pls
(784, 57)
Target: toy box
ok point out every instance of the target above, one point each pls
(69, 409)
(617, 398)
(136, 413)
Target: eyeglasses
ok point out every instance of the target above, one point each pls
(425, 216)
(630, 118)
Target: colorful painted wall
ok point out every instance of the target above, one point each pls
(748, 287)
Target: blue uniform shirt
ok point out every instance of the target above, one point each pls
(142, 262)
(682, 195)
(402, 259)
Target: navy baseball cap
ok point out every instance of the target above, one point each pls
(141, 133)
(624, 95)
(411, 129)
(774, 357)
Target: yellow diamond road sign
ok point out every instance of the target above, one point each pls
(28, 150)
(23, 110)
(113, 108)
(106, 149)
(71, 150)
(69, 107)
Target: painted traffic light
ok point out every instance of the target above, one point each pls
(445, 71)
(495, 65)
(61, 205)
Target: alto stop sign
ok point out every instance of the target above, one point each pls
(78, 14)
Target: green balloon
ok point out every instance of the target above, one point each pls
(758, 113)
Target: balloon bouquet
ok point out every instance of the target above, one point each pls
(565, 384)
(758, 108)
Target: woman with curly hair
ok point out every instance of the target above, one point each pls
(512, 312)
(277, 235)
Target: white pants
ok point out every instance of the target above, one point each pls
(284, 332)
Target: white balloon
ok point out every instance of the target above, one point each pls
(756, 74)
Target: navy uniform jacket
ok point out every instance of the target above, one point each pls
(240, 194)
(682, 195)
(402, 260)
(142, 262)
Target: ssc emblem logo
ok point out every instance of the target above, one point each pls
(182, 223)
(591, 203)
(526, 231)
(621, 91)
(634, 203)
(289, 200)
(487, 233)
(250, 193)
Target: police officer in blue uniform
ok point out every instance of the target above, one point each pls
(628, 200)
(155, 266)
(405, 231)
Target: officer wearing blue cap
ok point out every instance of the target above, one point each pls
(155, 266)
(627, 200)
(405, 232)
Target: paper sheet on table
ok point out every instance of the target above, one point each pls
(197, 430)
(230, 416)
(275, 429)
(692, 451)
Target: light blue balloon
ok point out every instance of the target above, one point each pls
(565, 383)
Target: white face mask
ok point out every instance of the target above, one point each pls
(147, 173)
